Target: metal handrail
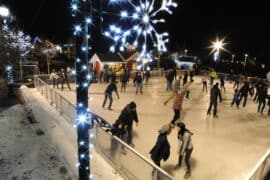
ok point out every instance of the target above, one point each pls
(260, 163)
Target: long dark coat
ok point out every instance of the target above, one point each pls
(161, 150)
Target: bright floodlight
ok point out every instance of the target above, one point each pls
(4, 11)
(218, 45)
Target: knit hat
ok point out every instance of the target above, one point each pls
(181, 125)
(164, 129)
(132, 105)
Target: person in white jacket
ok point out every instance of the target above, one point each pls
(185, 147)
(54, 78)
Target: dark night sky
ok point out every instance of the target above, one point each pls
(244, 24)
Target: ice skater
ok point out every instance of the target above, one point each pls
(138, 82)
(127, 116)
(161, 149)
(108, 94)
(178, 101)
(186, 148)
(214, 94)
(245, 89)
(236, 98)
(262, 95)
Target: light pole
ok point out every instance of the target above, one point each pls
(232, 63)
(233, 56)
(186, 52)
(4, 12)
(82, 13)
(245, 61)
(216, 47)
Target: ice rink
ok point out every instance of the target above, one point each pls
(225, 148)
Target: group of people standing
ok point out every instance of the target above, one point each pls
(59, 77)
(161, 149)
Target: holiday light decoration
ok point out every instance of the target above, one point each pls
(144, 17)
(81, 12)
(20, 41)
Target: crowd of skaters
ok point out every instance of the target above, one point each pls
(180, 85)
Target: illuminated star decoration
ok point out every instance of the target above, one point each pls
(143, 32)
(216, 47)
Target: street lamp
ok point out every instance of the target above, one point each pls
(186, 52)
(5, 14)
(82, 19)
(216, 47)
(245, 61)
(4, 11)
(233, 56)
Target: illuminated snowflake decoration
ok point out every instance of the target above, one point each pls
(144, 17)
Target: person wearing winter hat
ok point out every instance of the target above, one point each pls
(185, 147)
(161, 149)
(127, 116)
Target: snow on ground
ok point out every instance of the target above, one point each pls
(25, 152)
(63, 136)
(224, 148)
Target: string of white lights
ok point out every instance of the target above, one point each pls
(81, 12)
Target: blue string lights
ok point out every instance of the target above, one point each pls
(81, 12)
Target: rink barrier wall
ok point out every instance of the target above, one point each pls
(262, 168)
(120, 155)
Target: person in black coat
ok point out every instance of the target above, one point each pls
(161, 149)
(214, 94)
(245, 89)
(108, 94)
(127, 116)
(268, 104)
(118, 129)
(185, 79)
(258, 87)
(262, 96)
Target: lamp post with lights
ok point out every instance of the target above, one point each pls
(5, 15)
(245, 62)
(186, 52)
(82, 14)
(217, 46)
